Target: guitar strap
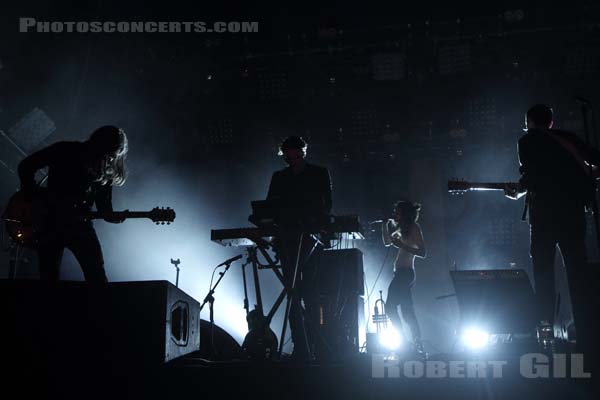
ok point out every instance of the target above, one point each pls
(572, 149)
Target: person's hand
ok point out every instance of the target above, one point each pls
(115, 219)
(513, 190)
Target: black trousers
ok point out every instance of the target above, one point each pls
(300, 318)
(567, 230)
(399, 294)
(81, 239)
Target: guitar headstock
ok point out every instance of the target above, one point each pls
(458, 186)
(162, 215)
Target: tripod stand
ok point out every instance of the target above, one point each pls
(290, 291)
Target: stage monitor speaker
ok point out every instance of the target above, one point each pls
(151, 322)
(500, 300)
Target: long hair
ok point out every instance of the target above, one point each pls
(410, 213)
(109, 145)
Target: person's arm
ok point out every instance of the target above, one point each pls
(526, 168)
(414, 244)
(514, 191)
(385, 233)
(103, 200)
(34, 162)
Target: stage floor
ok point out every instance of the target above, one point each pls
(359, 378)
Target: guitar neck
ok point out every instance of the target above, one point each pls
(487, 185)
(118, 214)
(455, 186)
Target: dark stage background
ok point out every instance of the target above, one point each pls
(394, 104)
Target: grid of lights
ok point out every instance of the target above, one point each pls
(388, 66)
(454, 59)
(364, 123)
(482, 113)
(507, 231)
(583, 60)
(220, 133)
(272, 85)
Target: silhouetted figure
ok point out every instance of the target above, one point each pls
(403, 232)
(303, 194)
(556, 177)
(79, 175)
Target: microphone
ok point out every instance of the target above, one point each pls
(377, 221)
(581, 100)
(232, 259)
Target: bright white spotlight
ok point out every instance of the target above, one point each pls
(475, 338)
(390, 339)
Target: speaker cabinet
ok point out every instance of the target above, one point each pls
(151, 322)
(499, 300)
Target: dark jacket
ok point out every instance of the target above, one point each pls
(70, 177)
(305, 194)
(554, 179)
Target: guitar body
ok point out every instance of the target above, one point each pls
(261, 342)
(25, 218)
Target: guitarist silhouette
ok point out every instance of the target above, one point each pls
(80, 174)
(558, 176)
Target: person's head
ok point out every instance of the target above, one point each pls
(406, 212)
(108, 147)
(539, 116)
(293, 149)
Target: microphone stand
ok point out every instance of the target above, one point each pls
(211, 302)
(176, 265)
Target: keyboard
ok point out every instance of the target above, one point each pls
(344, 227)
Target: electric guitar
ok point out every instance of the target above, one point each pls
(461, 186)
(261, 342)
(27, 218)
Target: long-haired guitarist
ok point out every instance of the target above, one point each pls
(557, 171)
(79, 175)
(403, 232)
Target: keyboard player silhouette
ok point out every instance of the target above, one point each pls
(300, 194)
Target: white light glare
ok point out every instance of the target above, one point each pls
(475, 338)
(390, 339)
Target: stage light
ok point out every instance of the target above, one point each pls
(475, 338)
(236, 323)
(390, 339)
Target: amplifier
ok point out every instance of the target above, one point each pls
(340, 288)
(500, 300)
